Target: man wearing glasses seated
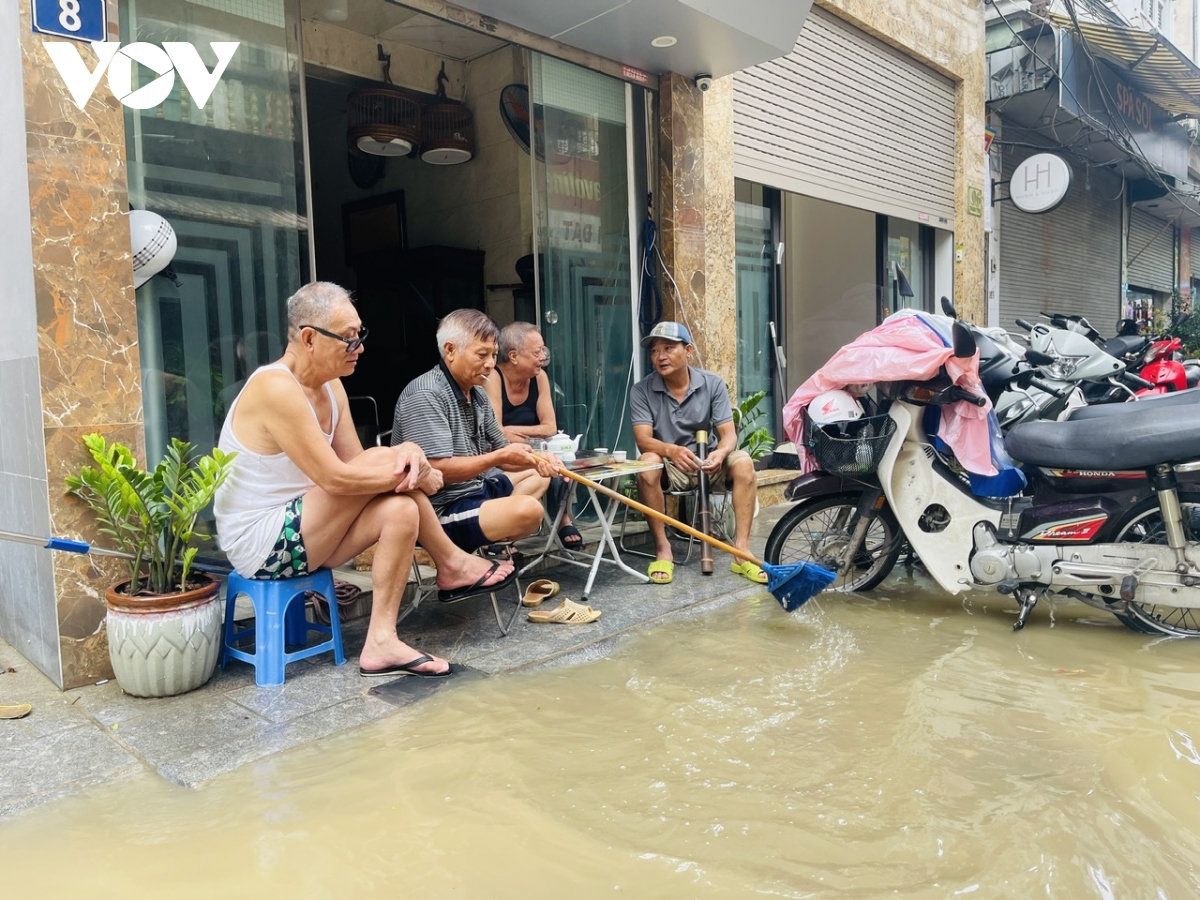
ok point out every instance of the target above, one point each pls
(492, 488)
(304, 493)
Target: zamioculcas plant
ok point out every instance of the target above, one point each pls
(151, 515)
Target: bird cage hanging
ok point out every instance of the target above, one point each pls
(383, 121)
(447, 134)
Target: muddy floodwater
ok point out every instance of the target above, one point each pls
(903, 744)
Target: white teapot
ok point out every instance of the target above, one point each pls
(564, 447)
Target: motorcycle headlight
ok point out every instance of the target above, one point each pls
(1064, 367)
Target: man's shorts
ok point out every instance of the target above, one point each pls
(288, 558)
(675, 480)
(460, 518)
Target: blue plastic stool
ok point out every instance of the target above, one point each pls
(278, 622)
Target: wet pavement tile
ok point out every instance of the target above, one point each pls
(98, 733)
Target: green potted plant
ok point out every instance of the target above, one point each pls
(163, 621)
(755, 439)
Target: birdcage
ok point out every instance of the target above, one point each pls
(383, 121)
(447, 134)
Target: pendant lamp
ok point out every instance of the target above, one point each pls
(447, 129)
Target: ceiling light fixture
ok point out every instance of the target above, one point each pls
(664, 40)
(336, 11)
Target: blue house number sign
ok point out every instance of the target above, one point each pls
(80, 20)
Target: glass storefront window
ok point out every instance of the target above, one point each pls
(225, 176)
(754, 211)
(582, 235)
(905, 266)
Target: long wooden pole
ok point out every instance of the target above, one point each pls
(662, 517)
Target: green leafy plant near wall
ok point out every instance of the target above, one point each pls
(754, 438)
(1189, 330)
(151, 515)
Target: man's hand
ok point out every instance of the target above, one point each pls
(432, 483)
(684, 459)
(412, 465)
(546, 464)
(714, 460)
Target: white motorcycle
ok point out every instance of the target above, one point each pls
(1111, 516)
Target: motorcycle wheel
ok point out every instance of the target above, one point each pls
(1145, 526)
(815, 531)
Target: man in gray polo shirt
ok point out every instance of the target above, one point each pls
(668, 407)
(491, 488)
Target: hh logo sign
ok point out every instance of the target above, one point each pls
(165, 61)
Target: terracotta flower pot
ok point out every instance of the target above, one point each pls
(167, 644)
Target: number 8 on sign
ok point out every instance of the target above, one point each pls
(80, 20)
(69, 17)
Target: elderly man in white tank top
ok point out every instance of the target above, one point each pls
(304, 493)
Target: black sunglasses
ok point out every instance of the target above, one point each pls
(352, 344)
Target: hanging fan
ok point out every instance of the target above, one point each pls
(514, 110)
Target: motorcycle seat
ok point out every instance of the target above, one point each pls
(1122, 344)
(1189, 397)
(1147, 435)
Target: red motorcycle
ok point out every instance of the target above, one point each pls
(1163, 365)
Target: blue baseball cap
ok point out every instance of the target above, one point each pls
(668, 331)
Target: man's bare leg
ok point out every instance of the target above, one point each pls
(745, 487)
(455, 567)
(510, 518)
(650, 492)
(391, 522)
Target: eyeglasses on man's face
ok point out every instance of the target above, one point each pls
(352, 344)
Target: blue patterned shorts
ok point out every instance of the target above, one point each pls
(287, 558)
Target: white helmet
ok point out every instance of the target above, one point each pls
(154, 244)
(834, 406)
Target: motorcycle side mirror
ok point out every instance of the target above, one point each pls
(964, 341)
(948, 308)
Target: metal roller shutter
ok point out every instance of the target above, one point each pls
(846, 118)
(1151, 250)
(1195, 257)
(1067, 260)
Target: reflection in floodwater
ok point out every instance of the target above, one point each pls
(899, 743)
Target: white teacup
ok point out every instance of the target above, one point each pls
(601, 451)
(619, 456)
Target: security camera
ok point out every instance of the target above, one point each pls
(704, 82)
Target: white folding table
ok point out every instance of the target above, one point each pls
(606, 549)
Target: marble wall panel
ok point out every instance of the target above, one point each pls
(86, 320)
(697, 218)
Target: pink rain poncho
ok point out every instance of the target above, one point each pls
(906, 347)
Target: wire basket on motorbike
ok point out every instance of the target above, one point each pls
(841, 438)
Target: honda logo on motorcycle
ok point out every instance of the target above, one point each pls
(165, 61)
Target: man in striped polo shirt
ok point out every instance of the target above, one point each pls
(492, 488)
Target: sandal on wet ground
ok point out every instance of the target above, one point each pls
(479, 587)
(18, 711)
(566, 613)
(661, 571)
(542, 589)
(570, 531)
(408, 668)
(748, 570)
